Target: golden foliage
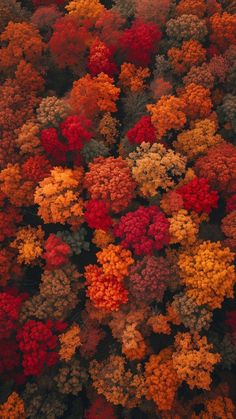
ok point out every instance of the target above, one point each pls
(198, 140)
(183, 228)
(29, 244)
(208, 273)
(153, 167)
(194, 360)
(58, 196)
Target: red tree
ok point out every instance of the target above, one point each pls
(143, 230)
(140, 41)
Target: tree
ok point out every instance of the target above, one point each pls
(69, 41)
(155, 168)
(23, 42)
(207, 271)
(139, 42)
(143, 230)
(168, 113)
(58, 196)
(194, 360)
(92, 95)
(110, 179)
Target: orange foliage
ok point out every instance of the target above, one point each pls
(23, 42)
(183, 228)
(191, 7)
(28, 139)
(110, 179)
(194, 360)
(85, 9)
(161, 379)
(171, 202)
(13, 94)
(167, 114)
(223, 29)
(29, 244)
(69, 341)
(106, 292)
(58, 196)
(191, 53)
(199, 139)
(218, 407)
(29, 79)
(13, 408)
(219, 167)
(180, 105)
(17, 103)
(207, 271)
(115, 261)
(132, 77)
(198, 101)
(92, 95)
(18, 98)
(19, 191)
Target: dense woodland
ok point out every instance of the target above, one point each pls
(117, 209)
